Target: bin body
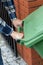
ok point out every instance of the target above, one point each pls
(39, 48)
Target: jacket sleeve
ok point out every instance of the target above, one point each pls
(11, 9)
(4, 27)
(4, 14)
(9, 5)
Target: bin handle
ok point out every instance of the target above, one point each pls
(20, 29)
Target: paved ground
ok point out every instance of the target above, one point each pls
(8, 55)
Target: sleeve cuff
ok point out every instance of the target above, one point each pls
(13, 19)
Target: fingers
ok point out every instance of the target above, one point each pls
(17, 23)
(16, 35)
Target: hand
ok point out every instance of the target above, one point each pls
(17, 22)
(16, 35)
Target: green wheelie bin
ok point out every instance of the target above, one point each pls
(33, 31)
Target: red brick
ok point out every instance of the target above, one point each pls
(31, 3)
(20, 49)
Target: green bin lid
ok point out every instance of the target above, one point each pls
(33, 28)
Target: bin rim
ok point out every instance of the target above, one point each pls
(32, 41)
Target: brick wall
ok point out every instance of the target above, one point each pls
(25, 7)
